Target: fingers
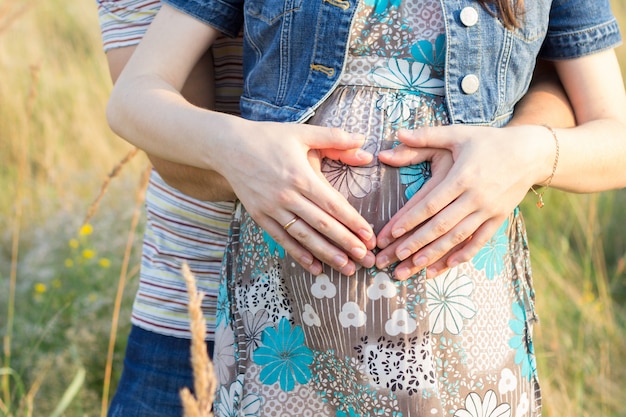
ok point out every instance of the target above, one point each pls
(446, 137)
(479, 239)
(291, 246)
(321, 231)
(448, 251)
(318, 137)
(323, 249)
(354, 157)
(436, 194)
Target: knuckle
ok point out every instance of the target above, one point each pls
(431, 208)
(462, 181)
(440, 227)
(458, 238)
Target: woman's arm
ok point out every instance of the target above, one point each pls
(266, 164)
(491, 174)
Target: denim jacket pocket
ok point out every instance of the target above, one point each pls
(270, 11)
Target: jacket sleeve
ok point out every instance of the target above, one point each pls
(578, 28)
(224, 15)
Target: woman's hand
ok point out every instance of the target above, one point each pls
(452, 219)
(274, 169)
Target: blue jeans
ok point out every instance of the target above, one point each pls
(156, 368)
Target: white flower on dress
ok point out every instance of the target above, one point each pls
(253, 327)
(449, 301)
(400, 322)
(382, 286)
(349, 180)
(323, 288)
(508, 382)
(232, 402)
(310, 317)
(487, 407)
(400, 74)
(398, 106)
(351, 315)
(523, 406)
(224, 353)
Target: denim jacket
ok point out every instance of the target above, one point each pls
(294, 51)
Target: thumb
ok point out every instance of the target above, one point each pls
(318, 137)
(429, 137)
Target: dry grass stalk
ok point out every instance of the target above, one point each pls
(139, 199)
(204, 379)
(22, 176)
(93, 207)
(10, 11)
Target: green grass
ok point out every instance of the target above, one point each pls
(56, 151)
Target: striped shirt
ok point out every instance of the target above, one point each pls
(178, 228)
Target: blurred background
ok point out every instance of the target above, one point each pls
(66, 286)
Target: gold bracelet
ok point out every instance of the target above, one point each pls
(549, 180)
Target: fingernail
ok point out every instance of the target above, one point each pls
(368, 261)
(420, 262)
(358, 252)
(431, 272)
(340, 261)
(306, 260)
(382, 261)
(403, 254)
(315, 269)
(383, 242)
(362, 154)
(402, 273)
(398, 232)
(365, 234)
(348, 270)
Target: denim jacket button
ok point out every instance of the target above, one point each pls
(470, 84)
(469, 16)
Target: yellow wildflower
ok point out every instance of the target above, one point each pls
(69, 263)
(85, 230)
(40, 288)
(88, 253)
(74, 243)
(104, 262)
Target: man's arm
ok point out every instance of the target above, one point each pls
(545, 102)
(195, 182)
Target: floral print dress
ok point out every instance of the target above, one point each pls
(290, 343)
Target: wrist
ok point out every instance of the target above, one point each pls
(550, 162)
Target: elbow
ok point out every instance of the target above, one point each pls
(115, 113)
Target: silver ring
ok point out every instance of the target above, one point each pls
(291, 222)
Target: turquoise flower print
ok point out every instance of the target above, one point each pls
(525, 351)
(381, 5)
(349, 413)
(283, 356)
(408, 76)
(273, 246)
(491, 257)
(222, 312)
(414, 177)
(433, 55)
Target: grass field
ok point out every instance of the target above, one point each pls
(59, 282)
